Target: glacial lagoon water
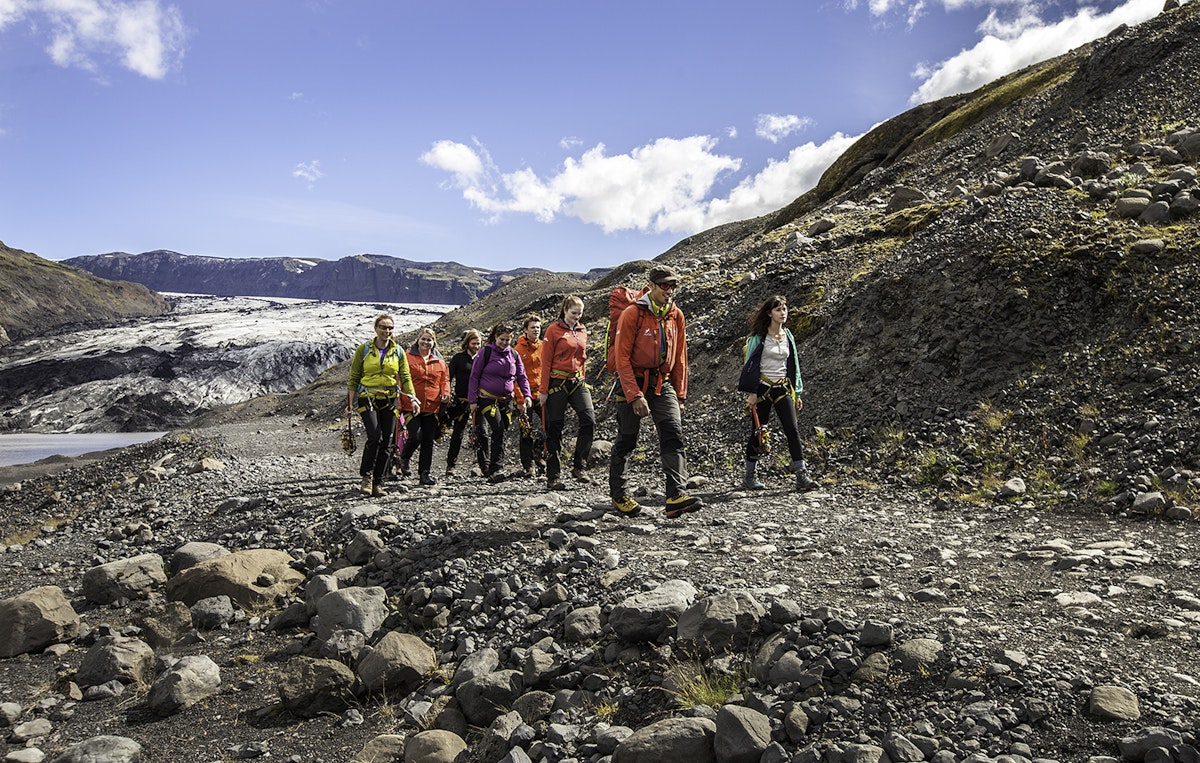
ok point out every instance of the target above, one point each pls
(25, 448)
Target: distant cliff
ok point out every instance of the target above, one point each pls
(38, 296)
(361, 278)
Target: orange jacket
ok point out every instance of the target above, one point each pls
(531, 358)
(643, 342)
(431, 380)
(564, 353)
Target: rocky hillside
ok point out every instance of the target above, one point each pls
(38, 296)
(361, 278)
(999, 284)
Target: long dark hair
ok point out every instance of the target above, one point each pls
(499, 328)
(760, 320)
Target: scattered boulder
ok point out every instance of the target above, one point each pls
(32, 621)
(134, 578)
(251, 578)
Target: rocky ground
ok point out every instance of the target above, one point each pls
(853, 623)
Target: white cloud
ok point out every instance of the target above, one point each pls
(1024, 39)
(778, 184)
(776, 127)
(570, 143)
(662, 187)
(731, 132)
(146, 37)
(309, 172)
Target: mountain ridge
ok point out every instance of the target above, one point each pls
(355, 278)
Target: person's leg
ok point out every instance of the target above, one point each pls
(456, 438)
(371, 426)
(763, 409)
(664, 410)
(788, 421)
(628, 426)
(482, 441)
(428, 433)
(556, 411)
(581, 400)
(387, 423)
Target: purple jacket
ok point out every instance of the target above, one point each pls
(496, 378)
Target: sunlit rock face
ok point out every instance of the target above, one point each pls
(158, 373)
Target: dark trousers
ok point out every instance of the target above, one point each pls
(563, 393)
(379, 419)
(491, 422)
(527, 444)
(461, 416)
(664, 411)
(785, 409)
(422, 431)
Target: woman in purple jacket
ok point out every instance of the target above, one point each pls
(490, 395)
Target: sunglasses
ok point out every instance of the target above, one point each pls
(667, 285)
(384, 328)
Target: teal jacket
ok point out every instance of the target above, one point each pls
(749, 379)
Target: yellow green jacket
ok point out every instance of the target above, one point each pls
(371, 373)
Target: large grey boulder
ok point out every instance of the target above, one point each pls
(32, 621)
(363, 546)
(484, 698)
(121, 658)
(135, 578)
(647, 616)
(742, 734)
(362, 609)
(191, 554)
(185, 683)
(434, 746)
(309, 687)
(684, 739)
(721, 622)
(252, 578)
(102, 749)
(398, 664)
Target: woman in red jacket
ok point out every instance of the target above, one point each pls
(564, 361)
(431, 379)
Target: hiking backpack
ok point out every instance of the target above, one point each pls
(619, 298)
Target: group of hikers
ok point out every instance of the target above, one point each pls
(492, 382)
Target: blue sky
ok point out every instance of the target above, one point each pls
(565, 134)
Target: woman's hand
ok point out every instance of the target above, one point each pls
(542, 398)
(752, 399)
(416, 403)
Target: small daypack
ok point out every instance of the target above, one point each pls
(619, 298)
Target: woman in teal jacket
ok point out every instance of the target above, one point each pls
(771, 379)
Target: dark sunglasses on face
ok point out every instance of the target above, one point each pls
(667, 285)
(383, 328)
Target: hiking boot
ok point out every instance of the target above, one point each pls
(680, 505)
(581, 476)
(365, 486)
(528, 472)
(378, 491)
(751, 481)
(496, 477)
(427, 479)
(404, 468)
(804, 482)
(627, 506)
(554, 483)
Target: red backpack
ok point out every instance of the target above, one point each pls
(619, 298)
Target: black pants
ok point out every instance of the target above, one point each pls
(528, 443)
(572, 392)
(379, 419)
(461, 416)
(493, 418)
(422, 432)
(785, 408)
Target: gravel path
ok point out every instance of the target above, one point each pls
(1031, 610)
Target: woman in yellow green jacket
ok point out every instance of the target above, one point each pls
(378, 376)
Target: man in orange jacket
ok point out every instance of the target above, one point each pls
(532, 444)
(650, 353)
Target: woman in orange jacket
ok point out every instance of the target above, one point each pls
(529, 347)
(564, 362)
(431, 379)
